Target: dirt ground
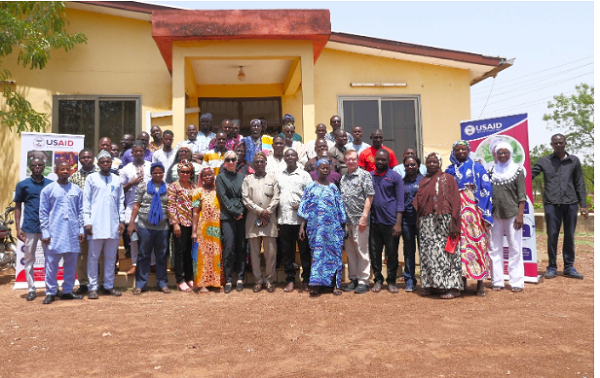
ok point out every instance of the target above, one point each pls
(546, 331)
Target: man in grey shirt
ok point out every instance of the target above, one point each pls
(564, 193)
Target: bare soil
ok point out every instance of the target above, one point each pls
(545, 331)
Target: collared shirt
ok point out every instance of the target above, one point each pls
(388, 199)
(78, 178)
(103, 207)
(292, 187)
(330, 137)
(563, 179)
(214, 159)
(61, 217)
(260, 193)
(200, 144)
(355, 188)
(358, 148)
(28, 192)
(166, 158)
(366, 160)
(274, 165)
(338, 154)
(399, 169)
(128, 157)
(410, 191)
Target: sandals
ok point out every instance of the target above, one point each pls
(497, 288)
(377, 287)
(337, 291)
(137, 291)
(166, 290)
(257, 288)
(516, 289)
(183, 287)
(203, 290)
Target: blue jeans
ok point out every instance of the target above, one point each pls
(409, 245)
(151, 240)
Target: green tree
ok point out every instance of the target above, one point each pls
(574, 117)
(32, 29)
(537, 183)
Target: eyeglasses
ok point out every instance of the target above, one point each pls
(230, 160)
(185, 172)
(260, 162)
(412, 165)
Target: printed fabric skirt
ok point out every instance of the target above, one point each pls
(439, 269)
(474, 238)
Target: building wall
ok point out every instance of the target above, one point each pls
(444, 91)
(120, 58)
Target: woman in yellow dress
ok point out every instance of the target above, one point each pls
(206, 230)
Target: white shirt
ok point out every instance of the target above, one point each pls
(128, 173)
(352, 146)
(275, 166)
(309, 148)
(291, 186)
(166, 158)
(103, 205)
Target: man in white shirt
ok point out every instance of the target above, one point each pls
(275, 161)
(309, 147)
(166, 155)
(357, 145)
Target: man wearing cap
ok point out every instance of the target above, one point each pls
(104, 220)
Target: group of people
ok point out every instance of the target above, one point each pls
(223, 198)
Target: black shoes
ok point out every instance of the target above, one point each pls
(49, 299)
(361, 289)
(239, 286)
(351, 286)
(71, 296)
(572, 273)
(30, 296)
(113, 292)
(83, 289)
(228, 288)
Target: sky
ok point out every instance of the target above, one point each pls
(552, 43)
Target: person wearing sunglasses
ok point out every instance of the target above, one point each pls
(229, 192)
(179, 206)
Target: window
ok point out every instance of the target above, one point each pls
(96, 117)
(244, 109)
(397, 116)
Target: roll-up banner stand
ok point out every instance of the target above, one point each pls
(50, 147)
(481, 135)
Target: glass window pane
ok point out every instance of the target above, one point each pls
(399, 125)
(117, 118)
(77, 117)
(363, 113)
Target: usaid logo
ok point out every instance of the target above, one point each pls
(470, 130)
(38, 142)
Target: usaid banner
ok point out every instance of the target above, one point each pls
(483, 134)
(49, 147)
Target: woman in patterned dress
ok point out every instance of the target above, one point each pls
(180, 217)
(206, 231)
(437, 203)
(476, 214)
(324, 221)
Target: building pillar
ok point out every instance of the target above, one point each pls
(178, 93)
(308, 94)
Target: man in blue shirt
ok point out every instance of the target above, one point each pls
(386, 220)
(28, 192)
(61, 223)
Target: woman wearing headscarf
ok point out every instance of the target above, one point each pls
(508, 181)
(257, 141)
(179, 194)
(323, 221)
(184, 152)
(207, 232)
(287, 120)
(150, 213)
(437, 202)
(476, 213)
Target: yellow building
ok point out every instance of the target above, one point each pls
(149, 65)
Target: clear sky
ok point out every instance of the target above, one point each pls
(552, 43)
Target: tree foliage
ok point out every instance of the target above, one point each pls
(574, 117)
(32, 30)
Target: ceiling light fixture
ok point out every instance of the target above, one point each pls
(241, 74)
